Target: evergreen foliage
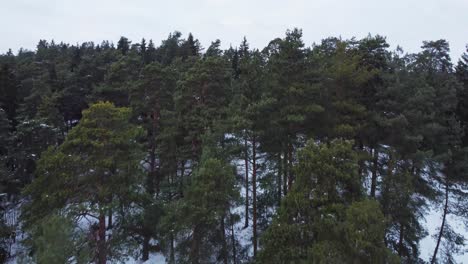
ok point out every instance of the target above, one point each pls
(329, 153)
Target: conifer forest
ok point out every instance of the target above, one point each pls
(171, 152)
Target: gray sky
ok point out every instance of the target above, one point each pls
(404, 22)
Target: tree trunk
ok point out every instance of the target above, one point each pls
(152, 168)
(194, 249)
(290, 174)
(156, 174)
(441, 231)
(109, 225)
(361, 164)
(246, 183)
(385, 190)
(285, 173)
(146, 246)
(223, 240)
(280, 172)
(233, 241)
(151, 176)
(254, 194)
(400, 240)
(172, 253)
(374, 173)
(102, 254)
(181, 181)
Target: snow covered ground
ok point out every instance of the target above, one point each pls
(154, 258)
(433, 222)
(244, 235)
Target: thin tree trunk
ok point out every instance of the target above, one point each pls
(156, 173)
(102, 254)
(172, 253)
(146, 245)
(290, 174)
(152, 168)
(254, 194)
(361, 163)
(280, 172)
(385, 190)
(233, 241)
(374, 173)
(181, 182)
(400, 240)
(109, 225)
(150, 180)
(441, 232)
(223, 239)
(171, 183)
(285, 173)
(194, 249)
(246, 158)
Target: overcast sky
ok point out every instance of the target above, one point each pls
(404, 22)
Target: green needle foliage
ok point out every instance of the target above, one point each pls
(93, 172)
(338, 150)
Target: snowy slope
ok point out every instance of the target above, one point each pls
(433, 222)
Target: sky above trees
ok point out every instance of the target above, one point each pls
(403, 22)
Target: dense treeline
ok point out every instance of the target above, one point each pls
(291, 154)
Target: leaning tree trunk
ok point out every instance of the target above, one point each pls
(444, 216)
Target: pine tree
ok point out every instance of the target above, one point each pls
(461, 72)
(119, 80)
(406, 114)
(150, 97)
(190, 47)
(169, 49)
(9, 91)
(324, 218)
(214, 50)
(152, 102)
(93, 172)
(8, 184)
(55, 240)
(447, 132)
(123, 45)
(291, 97)
(201, 100)
(204, 210)
(248, 124)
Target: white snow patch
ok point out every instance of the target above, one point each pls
(432, 223)
(154, 258)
